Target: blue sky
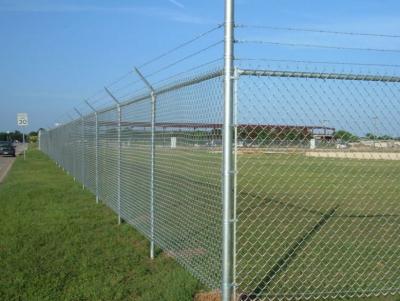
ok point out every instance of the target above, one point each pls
(54, 54)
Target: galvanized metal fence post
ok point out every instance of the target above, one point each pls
(227, 192)
(97, 157)
(96, 151)
(273, 198)
(235, 150)
(119, 153)
(23, 143)
(39, 139)
(82, 147)
(152, 164)
(153, 112)
(119, 162)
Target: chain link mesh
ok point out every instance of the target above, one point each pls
(317, 205)
(136, 165)
(316, 195)
(186, 218)
(188, 177)
(90, 152)
(108, 158)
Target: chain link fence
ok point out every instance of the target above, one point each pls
(316, 187)
(318, 211)
(155, 160)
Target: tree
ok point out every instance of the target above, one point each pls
(375, 137)
(385, 137)
(11, 136)
(33, 139)
(345, 136)
(370, 136)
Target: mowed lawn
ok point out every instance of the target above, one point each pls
(56, 243)
(317, 226)
(281, 197)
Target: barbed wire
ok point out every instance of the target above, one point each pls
(119, 79)
(186, 71)
(172, 50)
(318, 31)
(102, 102)
(185, 58)
(97, 97)
(127, 85)
(171, 65)
(315, 46)
(318, 62)
(180, 46)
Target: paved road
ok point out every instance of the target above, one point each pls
(6, 163)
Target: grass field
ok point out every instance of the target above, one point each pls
(317, 226)
(280, 200)
(57, 244)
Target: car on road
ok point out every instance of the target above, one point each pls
(7, 148)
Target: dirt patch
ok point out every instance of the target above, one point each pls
(208, 296)
(5, 166)
(355, 155)
(272, 150)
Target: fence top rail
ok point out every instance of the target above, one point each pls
(250, 72)
(176, 86)
(107, 109)
(192, 81)
(319, 75)
(159, 91)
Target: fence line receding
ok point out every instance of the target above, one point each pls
(316, 180)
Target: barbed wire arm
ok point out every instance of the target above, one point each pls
(78, 112)
(153, 150)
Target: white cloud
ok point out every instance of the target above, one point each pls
(147, 10)
(176, 3)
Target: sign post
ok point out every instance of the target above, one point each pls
(22, 121)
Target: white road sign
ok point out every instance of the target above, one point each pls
(22, 119)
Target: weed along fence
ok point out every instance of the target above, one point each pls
(264, 183)
(305, 226)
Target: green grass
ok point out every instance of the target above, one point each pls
(57, 244)
(281, 197)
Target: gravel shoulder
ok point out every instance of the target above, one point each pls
(6, 163)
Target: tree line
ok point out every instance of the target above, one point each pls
(17, 136)
(349, 137)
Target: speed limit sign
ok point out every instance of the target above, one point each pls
(22, 119)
